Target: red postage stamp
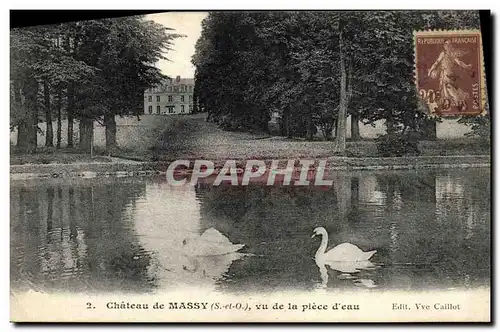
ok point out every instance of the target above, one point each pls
(449, 72)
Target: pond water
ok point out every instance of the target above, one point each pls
(431, 230)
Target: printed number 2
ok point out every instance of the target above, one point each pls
(89, 306)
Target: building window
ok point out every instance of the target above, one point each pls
(158, 109)
(170, 98)
(190, 88)
(150, 109)
(190, 97)
(170, 109)
(182, 108)
(182, 98)
(150, 98)
(176, 89)
(190, 108)
(157, 99)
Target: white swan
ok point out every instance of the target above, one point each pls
(210, 243)
(344, 252)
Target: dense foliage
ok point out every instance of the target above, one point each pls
(314, 69)
(89, 70)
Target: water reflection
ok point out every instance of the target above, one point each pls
(348, 271)
(430, 229)
(78, 239)
(166, 216)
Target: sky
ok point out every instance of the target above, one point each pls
(184, 23)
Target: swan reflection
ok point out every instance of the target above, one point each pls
(348, 271)
(168, 226)
(350, 267)
(211, 267)
(368, 283)
(177, 267)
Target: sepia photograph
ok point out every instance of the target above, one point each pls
(251, 166)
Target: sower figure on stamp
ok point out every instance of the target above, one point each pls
(450, 94)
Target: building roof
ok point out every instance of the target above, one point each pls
(179, 80)
(173, 81)
(186, 81)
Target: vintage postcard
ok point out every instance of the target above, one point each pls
(251, 166)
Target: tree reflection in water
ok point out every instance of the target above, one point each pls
(431, 229)
(395, 212)
(78, 240)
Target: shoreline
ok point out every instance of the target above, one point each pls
(126, 168)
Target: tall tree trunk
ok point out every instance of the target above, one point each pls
(355, 135)
(389, 123)
(30, 91)
(110, 123)
(70, 115)
(309, 126)
(59, 119)
(86, 128)
(340, 145)
(430, 130)
(286, 122)
(22, 129)
(22, 136)
(49, 132)
(433, 131)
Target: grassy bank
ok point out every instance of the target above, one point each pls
(120, 169)
(161, 138)
(193, 138)
(53, 156)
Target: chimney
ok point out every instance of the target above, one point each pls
(178, 79)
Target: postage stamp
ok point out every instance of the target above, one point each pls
(449, 72)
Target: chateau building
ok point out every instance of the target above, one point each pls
(173, 96)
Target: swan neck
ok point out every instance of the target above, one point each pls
(322, 246)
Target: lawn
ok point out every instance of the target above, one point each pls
(51, 156)
(191, 137)
(165, 138)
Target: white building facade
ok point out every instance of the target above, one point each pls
(173, 96)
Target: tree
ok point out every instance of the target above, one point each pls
(101, 68)
(49, 135)
(26, 49)
(227, 65)
(310, 65)
(124, 52)
(133, 47)
(480, 126)
(36, 59)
